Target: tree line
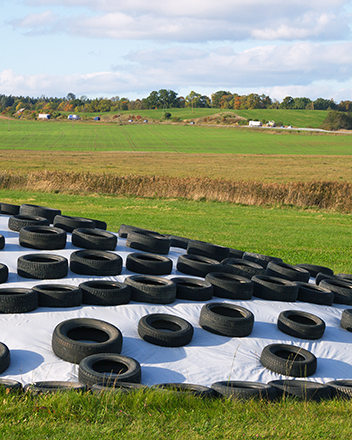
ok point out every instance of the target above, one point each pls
(163, 99)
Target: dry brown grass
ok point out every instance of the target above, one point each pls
(321, 194)
(264, 168)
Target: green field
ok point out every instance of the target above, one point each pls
(80, 136)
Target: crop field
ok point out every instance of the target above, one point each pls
(80, 136)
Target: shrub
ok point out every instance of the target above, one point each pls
(337, 120)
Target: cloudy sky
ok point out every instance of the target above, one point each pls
(106, 48)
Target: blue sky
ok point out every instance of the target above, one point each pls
(106, 48)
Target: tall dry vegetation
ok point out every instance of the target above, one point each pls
(325, 195)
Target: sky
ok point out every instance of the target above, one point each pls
(108, 48)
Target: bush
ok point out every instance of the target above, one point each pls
(167, 115)
(337, 120)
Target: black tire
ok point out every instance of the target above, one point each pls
(311, 293)
(243, 390)
(208, 250)
(17, 222)
(10, 385)
(180, 242)
(345, 276)
(108, 369)
(68, 223)
(346, 320)
(274, 289)
(41, 211)
(125, 229)
(58, 295)
(287, 271)
(288, 360)
(148, 242)
(193, 289)
(342, 290)
(2, 241)
(94, 239)
(165, 330)
(242, 268)
(117, 387)
(148, 264)
(42, 266)
(301, 324)
(236, 253)
(69, 336)
(301, 389)
(341, 389)
(42, 237)
(227, 285)
(197, 265)
(9, 209)
(261, 259)
(314, 269)
(186, 388)
(93, 262)
(105, 293)
(50, 387)
(151, 289)
(100, 224)
(17, 300)
(322, 276)
(4, 273)
(4, 357)
(226, 320)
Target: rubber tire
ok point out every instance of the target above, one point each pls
(41, 211)
(186, 388)
(179, 242)
(300, 324)
(2, 241)
(5, 357)
(42, 266)
(125, 229)
(341, 389)
(93, 262)
(243, 390)
(197, 265)
(346, 320)
(260, 259)
(287, 271)
(193, 289)
(165, 330)
(242, 268)
(314, 269)
(9, 209)
(227, 285)
(311, 293)
(104, 368)
(42, 237)
(94, 239)
(301, 389)
(274, 289)
(17, 222)
(4, 273)
(342, 290)
(58, 295)
(151, 289)
(10, 385)
(288, 360)
(226, 320)
(68, 223)
(208, 250)
(148, 242)
(105, 293)
(17, 300)
(68, 335)
(50, 387)
(148, 264)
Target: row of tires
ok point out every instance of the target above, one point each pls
(241, 390)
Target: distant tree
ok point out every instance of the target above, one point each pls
(192, 99)
(301, 103)
(287, 103)
(337, 120)
(216, 97)
(70, 96)
(167, 115)
(324, 104)
(345, 106)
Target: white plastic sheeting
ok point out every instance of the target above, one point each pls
(207, 359)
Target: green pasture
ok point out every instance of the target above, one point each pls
(80, 136)
(295, 235)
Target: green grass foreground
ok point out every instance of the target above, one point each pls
(153, 414)
(81, 136)
(295, 235)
